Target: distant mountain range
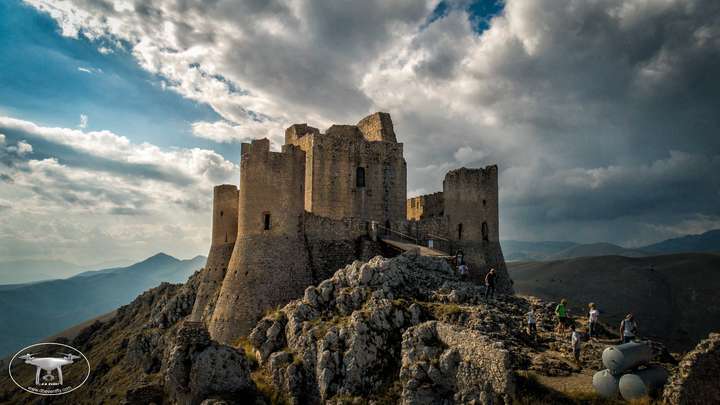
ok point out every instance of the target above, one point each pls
(28, 271)
(37, 310)
(706, 242)
(674, 296)
(534, 251)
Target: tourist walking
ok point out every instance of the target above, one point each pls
(575, 339)
(532, 323)
(490, 284)
(628, 328)
(561, 312)
(593, 315)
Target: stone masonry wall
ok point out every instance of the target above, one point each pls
(265, 272)
(426, 206)
(443, 362)
(209, 288)
(333, 244)
(471, 200)
(334, 160)
(269, 263)
(224, 233)
(270, 183)
(377, 127)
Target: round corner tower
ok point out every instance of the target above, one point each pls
(261, 274)
(224, 233)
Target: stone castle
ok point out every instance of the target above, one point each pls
(324, 201)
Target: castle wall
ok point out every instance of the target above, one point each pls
(426, 206)
(334, 161)
(377, 127)
(471, 200)
(269, 263)
(333, 244)
(224, 233)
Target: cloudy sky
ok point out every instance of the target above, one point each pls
(118, 117)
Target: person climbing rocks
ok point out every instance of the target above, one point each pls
(561, 312)
(490, 283)
(593, 315)
(532, 323)
(463, 271)
(628, 328)
(575, 339)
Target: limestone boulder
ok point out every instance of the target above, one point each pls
(696, 379)
(198, 369)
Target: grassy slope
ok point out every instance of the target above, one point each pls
(675, 297)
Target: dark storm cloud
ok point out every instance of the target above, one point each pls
(600, 112)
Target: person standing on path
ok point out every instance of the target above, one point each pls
(490, 283)
(628, 328)
(575, 339)
(561, 312)
(593, 315)
(532, 324)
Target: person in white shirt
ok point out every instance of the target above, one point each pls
(593, 315)
(575, 343)
(531, 323)
(628, 328)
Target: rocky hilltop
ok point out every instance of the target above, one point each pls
(402, 330)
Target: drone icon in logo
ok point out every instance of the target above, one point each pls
(48, 364)
(59, 368)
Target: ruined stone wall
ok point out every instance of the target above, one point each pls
(377, 127)
(268, 266)
(696, 379)
(471, 200)
(335, 160)
(332, 244)
(426, 206)
(224, 233)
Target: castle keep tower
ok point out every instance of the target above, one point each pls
(353, 171)
(224, 233)
(268, 265)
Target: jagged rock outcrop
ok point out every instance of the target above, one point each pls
(371, 331)
(198, 368)
(697, 378)
(404, 330)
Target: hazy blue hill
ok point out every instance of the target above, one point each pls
(26, 271)
(596, 249)
(33, 311)
(673, 296)
(706, 242)
(514, 250)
